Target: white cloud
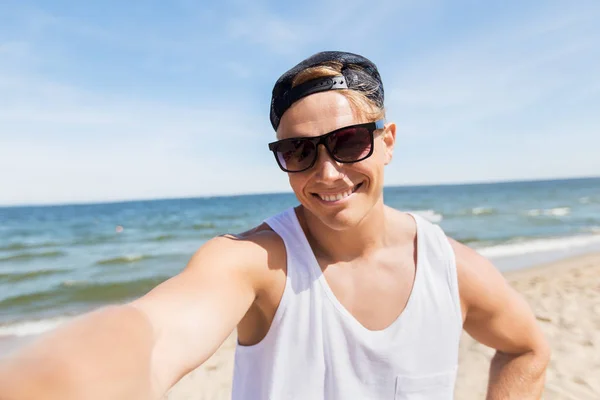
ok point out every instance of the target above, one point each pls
(238, 69)
(491, 76)
(514, 102)
(61, 143)
(323, 25)
(518, 102)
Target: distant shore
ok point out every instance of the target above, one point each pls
(284, 191)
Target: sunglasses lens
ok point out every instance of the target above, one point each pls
(351, 144)
(296, 155)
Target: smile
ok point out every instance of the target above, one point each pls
(335, 197)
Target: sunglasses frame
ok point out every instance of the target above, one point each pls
(318, 140)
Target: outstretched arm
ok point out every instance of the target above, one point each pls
(139, 350)
(498, 317)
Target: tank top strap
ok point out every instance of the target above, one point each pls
(298, 255)
(440, 257)
(282, 223)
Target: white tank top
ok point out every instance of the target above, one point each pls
(316, 350)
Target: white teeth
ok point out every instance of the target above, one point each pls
(336, 197)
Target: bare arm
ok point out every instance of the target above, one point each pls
(498, 317)
(139, 350)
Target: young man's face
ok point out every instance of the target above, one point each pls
(316, 115)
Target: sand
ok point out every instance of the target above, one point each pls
(565, 297)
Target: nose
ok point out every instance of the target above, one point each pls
(326, 168)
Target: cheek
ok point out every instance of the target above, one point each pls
(374, 164)
(380, 149)
(297, 182)
(373, 170)
(380, 155)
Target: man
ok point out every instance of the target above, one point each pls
(341, 297)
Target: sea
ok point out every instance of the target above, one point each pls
(60, 261)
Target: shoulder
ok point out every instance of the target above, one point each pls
(478, 278)
(254, 255)
(247, 247)
(493, 312)
(464, 255)
(404, 224)
(471, 265)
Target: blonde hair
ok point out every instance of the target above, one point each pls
(361, 104)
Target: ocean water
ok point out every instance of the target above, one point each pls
(58, 261)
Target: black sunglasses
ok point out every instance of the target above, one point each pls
(346, 145)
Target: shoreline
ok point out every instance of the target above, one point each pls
(561, 265)
(87, 202)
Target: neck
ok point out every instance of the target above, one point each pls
(369, 235)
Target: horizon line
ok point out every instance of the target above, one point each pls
(207, 196)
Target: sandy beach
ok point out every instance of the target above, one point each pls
(565, 297)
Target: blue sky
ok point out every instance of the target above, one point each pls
(103, 101)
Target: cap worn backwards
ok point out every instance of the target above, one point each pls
(358, 73)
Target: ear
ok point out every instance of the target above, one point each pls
(389, 140)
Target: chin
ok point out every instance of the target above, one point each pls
(342, 214)
(340, 219)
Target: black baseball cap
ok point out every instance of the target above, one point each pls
(358, 73)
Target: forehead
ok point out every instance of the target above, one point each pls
(316, 115)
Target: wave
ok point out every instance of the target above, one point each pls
(81, 292)
(589, 199)
(73, 282)
(540, 246)
(24, 246)
(203, 225)
(466, 240)
(429, 215)
(228, 217)
(127, 259)
(33, 327)
(163, 238)
(553, 212)
(483, 211)
(592, 229)
(31, 256)
(24, 276)
(93, 240)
